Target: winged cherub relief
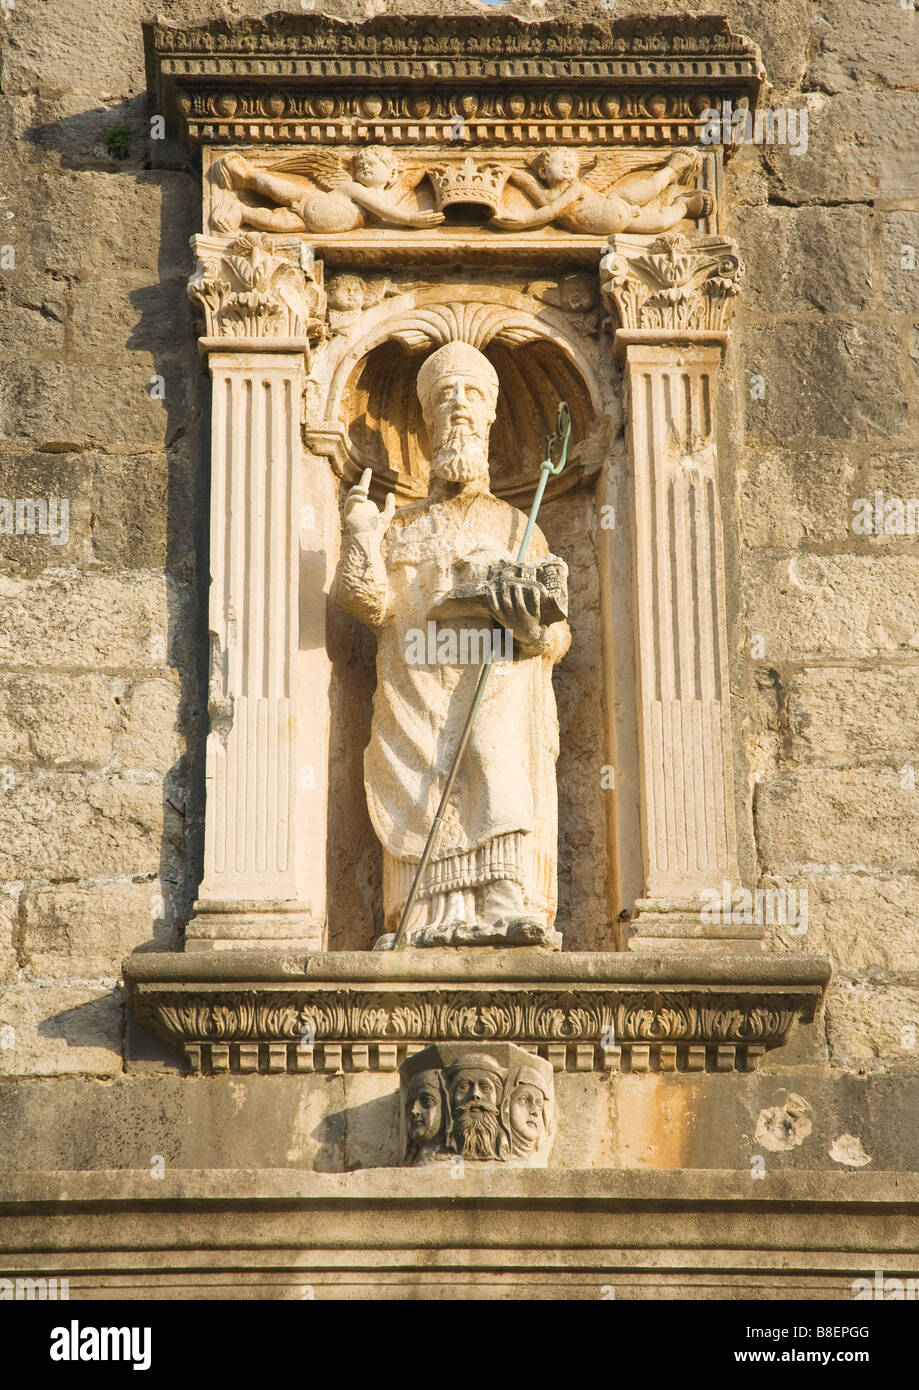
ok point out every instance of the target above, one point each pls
(314, 192)
(609, 198)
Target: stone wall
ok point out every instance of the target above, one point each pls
(103, 401)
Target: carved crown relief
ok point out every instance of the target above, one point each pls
(326, 193)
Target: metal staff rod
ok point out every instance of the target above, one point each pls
(547, 467)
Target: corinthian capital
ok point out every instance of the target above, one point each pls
(673, 284)
(257, 290)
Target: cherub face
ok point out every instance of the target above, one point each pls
(346, 292)
(526, 1112)
(372, 168)
(560, 165)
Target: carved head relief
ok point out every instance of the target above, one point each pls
(458, 391)
(489, 1106)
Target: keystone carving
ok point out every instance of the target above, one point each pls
(484, 1106)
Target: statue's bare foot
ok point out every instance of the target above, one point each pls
(239, 168)
(700, 205)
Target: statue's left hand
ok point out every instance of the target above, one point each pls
(515, 603)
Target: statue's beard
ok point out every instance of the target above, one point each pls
(462, 456)
(478, 1133)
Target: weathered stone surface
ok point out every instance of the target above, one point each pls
(788, 496)
(65, 720)
(805, 259)
(846, 716)
(32, 310)
(899, 254)
(116, 622)
(860, 147)
(67, 826)
(58, 1030)
(857, 921)
(853, 47)
(85, 930)
(849, 818)
(832, 606)
(833, 380)
(872, 1025)
(132, 313)
(148, 740)
(60, 405)
(9, 928)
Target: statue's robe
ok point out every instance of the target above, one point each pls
(502, 819)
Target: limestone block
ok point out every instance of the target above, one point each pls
(844, 716)
(896, 475)
(900, 262)
(61, 404)
(64, 720)
(32, 309)
(827, 606)
(835, 380)
(805, 259)
(861, 146)
(9, 927)
(86, 929)
(789, 496)
(849, 818)
(53, 1030)
(872, 1025)
(133, 313)
(68, 826)
(873, 42)
(88, 621)
(857, 921)
(148, 739)
(97, 50)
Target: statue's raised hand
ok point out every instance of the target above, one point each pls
(363, 517)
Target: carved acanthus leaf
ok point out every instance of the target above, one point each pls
(675, 284)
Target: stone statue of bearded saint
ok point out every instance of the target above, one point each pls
(492, 878)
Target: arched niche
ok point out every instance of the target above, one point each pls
(374, 421)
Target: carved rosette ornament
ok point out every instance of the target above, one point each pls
(675, 284)
(481, 1105)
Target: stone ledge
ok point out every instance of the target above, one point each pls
(278, 1011)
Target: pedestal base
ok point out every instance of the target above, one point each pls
(251, 926)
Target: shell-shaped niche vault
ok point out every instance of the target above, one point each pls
(382, 418)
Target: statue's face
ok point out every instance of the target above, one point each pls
(372, 169)
(526, 1112)
(459, 412)
(561, 165)
(473, 1090)
(424, 1110)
